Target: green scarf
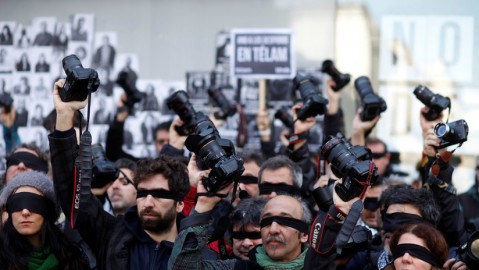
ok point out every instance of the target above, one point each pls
(268, 264)
(42, 259)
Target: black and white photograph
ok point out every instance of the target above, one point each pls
(107, 82)
(104, 50)
(42, 60)
(61, 38)
(128, 63)
(223, 51)
(82, 27)
(41, 86)
(21, 84)
(5, 83)
(148, 125)
(7, 59)
(43, 29)
(198, 83)
(102, 110)
(151, 88)
(7, 31)
(38, 112)
(23, 36)
(82, 50)
(35, 135)
(23, 61)
(21, 111)
(249, 95)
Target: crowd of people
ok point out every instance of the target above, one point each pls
(157, 213)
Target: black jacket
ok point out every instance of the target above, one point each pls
(117, 242)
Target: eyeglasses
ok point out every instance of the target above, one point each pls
(125, 180)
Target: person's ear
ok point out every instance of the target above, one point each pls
(303, 237)
(179, 206)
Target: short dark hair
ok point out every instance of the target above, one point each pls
(127, 164)
(279, 162)
(163, 126)
(172, 169)
(422, 199)
(247, 212)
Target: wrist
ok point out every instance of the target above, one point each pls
(64, 120)
(203, 206)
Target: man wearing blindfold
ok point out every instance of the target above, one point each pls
(284, 224)
(25, 158)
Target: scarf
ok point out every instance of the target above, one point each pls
(268, 264)
(42, 259)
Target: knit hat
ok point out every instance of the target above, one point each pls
(34, 179)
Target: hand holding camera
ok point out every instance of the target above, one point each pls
(80, 82)
(65, 110)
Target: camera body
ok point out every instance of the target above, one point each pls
(372, 104)
(435, 102)
(339, 78)
(283, 115)
(352, 163)
(133, 95)
(79, 82)
(313, 102)
(6, 101)
(219, 99)
(103, 171)
(204, 140)
(451, 133)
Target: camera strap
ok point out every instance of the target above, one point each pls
(348, 226)
(83, 164)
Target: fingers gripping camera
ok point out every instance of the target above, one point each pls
(204, 140)
(352, 163)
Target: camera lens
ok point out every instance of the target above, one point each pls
(71, 62)
(424, 94)
(363, 86)
(180, 103)
(442, 130)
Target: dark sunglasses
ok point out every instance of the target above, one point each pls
(379, 155)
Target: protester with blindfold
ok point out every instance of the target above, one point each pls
(284, 224)
(418, 246)
(245, 226)
(25, 158)
(29, 238)
(144, 236)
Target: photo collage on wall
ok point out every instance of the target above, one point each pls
(31, 61)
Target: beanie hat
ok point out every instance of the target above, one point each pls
(34, 179)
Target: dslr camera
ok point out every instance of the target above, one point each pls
(133, 95)
(6, 101)
(211, 150)
(219, 99)
(103, 171)
(352, 163)
(451, 133)
(435, 102)
(469, 252)
(313, 102)
(79, 82)
(339, 78)
(372, 104)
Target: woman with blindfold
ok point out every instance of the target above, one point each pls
(29, 238)
(420, 246)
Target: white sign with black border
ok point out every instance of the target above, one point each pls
(262, 54)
